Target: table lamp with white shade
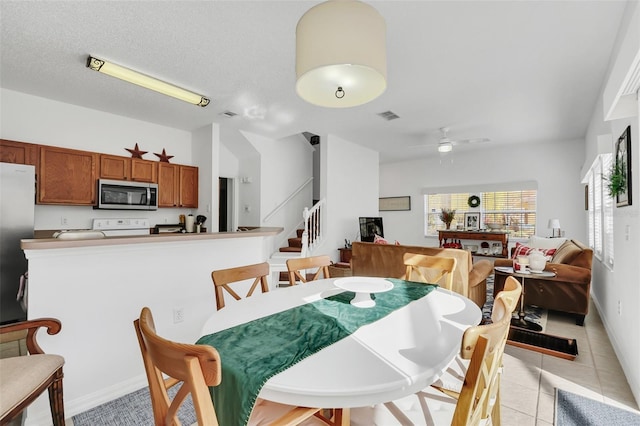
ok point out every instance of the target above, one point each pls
(554, 225)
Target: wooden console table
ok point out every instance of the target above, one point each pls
(503, 237)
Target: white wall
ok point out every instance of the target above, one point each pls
(350, 183)
(554, 166)
(97, 292)
(206, 142)
(619, 286)
(33, 119)
(284, 174)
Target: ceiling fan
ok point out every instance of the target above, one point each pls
(445, 144)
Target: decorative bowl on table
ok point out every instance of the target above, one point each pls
(494, 226)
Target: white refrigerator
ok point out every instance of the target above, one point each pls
(17, 208)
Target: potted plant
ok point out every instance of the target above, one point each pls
(617, 180)
(447, 215)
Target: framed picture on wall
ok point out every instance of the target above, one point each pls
(623, 161)
(387, 204)
(471, 221)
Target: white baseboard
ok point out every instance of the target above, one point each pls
(42, 416)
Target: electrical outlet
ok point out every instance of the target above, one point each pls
(64, 221)
(178, 315)
(619, 307)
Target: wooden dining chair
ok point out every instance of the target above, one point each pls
(25, 378)
(505, 303)
(510, 294)
(196, 367)
(223, 277)
(478, 401)
(298, 268)
(429, 269)
(452, 381)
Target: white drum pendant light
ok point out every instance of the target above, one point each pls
(341, 54)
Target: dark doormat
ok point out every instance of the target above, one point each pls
(562, 347)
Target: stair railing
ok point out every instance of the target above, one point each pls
(289, 198)
(313, 227)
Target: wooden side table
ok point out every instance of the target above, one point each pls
(345, 255)
(520, 321)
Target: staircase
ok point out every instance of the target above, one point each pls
(301, 245)
(295, 244)
(294, 249)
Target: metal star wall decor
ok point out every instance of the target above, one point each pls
(164, 158)
(135, 152)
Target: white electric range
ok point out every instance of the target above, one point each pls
(122, 227)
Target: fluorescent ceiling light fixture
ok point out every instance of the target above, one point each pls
(341, 54)
(445, 147)
(139, 79)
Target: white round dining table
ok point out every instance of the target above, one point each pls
(388, 359)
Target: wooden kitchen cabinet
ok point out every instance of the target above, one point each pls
(177, 185)
(126, 168)
(167, 185)
(144, 170)
(188, 186)
(115, 167)
(67, 176)
(18, 152)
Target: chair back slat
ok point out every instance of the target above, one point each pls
(476, 403)
(429, 269)
(223, 277)
(195, 366)
(510, 294)
(297, 268)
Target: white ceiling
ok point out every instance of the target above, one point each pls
(511, 71)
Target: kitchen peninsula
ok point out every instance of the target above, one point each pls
(97, 287)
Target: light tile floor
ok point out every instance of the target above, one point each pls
(530, 378)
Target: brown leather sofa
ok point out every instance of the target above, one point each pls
(386, 260)
(568, 291)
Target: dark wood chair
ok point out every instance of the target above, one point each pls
(25, 378)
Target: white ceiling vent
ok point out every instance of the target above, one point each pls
(228, 114)
(388, 115)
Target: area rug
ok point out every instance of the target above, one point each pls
(532, 313)
(577, 410)
(133, 409)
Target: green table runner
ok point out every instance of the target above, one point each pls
(253, 352)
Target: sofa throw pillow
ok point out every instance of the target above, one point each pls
(545, 243)
(566, 253)
(524, 250)
(377, 239)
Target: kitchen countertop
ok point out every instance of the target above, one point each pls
(53, 243)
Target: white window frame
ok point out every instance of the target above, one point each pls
(600, 211)
(432, 222)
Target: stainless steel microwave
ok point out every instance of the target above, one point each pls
(125, 195)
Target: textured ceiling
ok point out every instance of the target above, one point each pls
(510, 71)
